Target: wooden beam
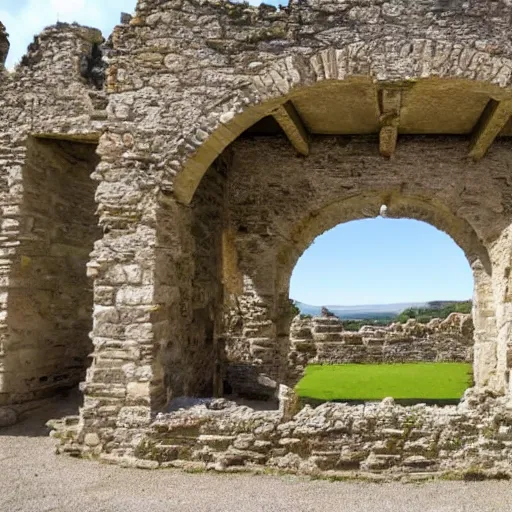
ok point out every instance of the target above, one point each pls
(291, 123)
(390, 103)
(493, 119)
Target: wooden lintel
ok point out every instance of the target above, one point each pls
(493, 119)
(390, 105)
(292, 125)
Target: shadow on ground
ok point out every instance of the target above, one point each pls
(32, 421)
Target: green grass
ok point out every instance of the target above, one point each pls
(415, 381)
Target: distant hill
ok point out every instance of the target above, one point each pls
(373, 311)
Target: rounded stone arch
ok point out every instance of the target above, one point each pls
(261, 89)
(429, 210)
(368, 205)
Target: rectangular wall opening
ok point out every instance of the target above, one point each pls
(50, 298)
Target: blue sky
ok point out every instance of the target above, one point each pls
(381, 261)
(26, 18)
(364, 262)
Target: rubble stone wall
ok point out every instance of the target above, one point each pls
(50, 301)
(51, 117)
(345, 179)
(196, 252)
(322, 340)
(179, 97)
(377, 440)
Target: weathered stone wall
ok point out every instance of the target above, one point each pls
(185, 80)
(50, 299)
(47, 212)
(345, 179)
(322, 340)
(471, 440)
(179, 96)
(194, 355)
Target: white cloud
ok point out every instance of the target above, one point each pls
(23, 24)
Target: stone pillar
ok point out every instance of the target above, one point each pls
(119, 388)
(485, 332)
(251, 344)
(502, 288)
(495, 318)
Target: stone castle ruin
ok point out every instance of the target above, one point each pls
(157, 189)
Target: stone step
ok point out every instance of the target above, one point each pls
(329, 336)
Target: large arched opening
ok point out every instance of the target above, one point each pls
(271, 201)
(383, 308)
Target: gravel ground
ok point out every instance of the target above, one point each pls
(34, 479)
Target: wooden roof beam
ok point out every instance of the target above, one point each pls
(390, 103)
(493, 119)
(289, 120)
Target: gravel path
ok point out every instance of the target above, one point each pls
(34, 479)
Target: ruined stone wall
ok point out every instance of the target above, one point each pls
(322, 340)
(279, 203)
(194, 356)
(376, 440)
(185, 79)
(50, 302)
(47, 210)
(179, 96)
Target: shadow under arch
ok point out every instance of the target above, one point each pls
(293, 75)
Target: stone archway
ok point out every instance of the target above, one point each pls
(411, 207)
(341, 91)
(274, 230)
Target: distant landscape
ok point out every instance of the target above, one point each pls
(372, 311)
(383, 314)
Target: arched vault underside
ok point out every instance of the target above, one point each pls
(327, 105)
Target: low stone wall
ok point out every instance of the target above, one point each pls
(471, 440)
(323, 340)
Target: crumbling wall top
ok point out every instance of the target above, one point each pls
(4, 44)
(56, 88)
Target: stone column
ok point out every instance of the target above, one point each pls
(120, 384)
(493, 317)
(256, 361)
(485, 333)
(501, 255)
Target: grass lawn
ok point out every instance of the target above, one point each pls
(421, 381)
